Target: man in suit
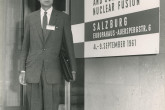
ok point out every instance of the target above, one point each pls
(40, 64)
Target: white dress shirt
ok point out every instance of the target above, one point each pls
(49, 12)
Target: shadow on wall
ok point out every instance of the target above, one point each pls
(15, 53)
(13, 34)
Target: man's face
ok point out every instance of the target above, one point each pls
(46, 3)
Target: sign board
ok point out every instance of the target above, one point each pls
(119, 27)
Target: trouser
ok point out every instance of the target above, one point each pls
(42, 96)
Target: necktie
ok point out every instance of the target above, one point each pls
(44, 20)
(44, 24)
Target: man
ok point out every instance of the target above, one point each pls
(44, 32)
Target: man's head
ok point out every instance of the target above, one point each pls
(46, 3)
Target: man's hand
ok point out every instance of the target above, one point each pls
(22, 78)
(74, 75)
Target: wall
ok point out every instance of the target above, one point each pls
(77, 87)
(127, 83)
(122, 83)
(10, 45)
(11, 29)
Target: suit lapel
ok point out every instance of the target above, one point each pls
(38, 25)
(52, 21)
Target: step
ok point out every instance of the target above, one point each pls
(73, 107)
(10, 108)
(77, 99)
(74, 91)
(77, 107)
(77, 91)
(61, 107)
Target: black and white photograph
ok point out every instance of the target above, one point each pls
(82, 55)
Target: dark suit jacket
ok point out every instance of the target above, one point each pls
(36, 52)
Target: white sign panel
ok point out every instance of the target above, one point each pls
(121, 27)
